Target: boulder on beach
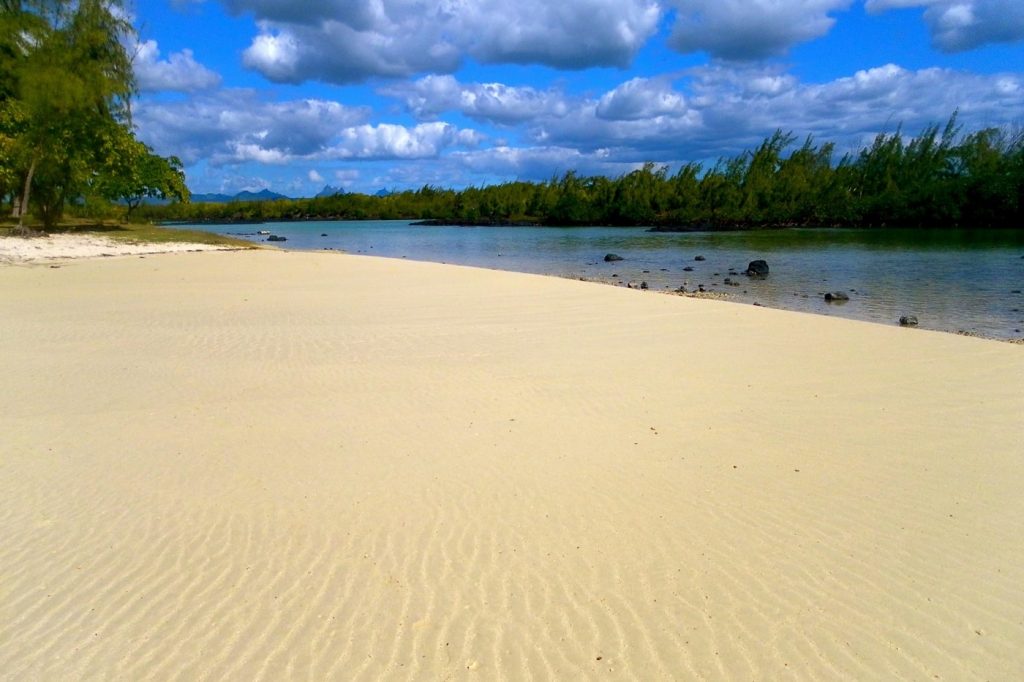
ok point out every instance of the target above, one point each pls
(612, 257)
(757, 268)
(908, 321)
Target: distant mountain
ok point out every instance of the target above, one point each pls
(383, 193)
(329, 191)
(216, 198)
(211, 198)
(262, 195)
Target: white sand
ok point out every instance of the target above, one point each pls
(14, 250)
(271, 465)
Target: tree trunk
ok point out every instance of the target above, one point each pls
(25, 195)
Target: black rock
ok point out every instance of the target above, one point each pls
(757, 268)
(643, 285)
(688, 269)
(908, 321)
(612, 257)
(836, 296)
(275, 238)
(323, 234)
(700, 258)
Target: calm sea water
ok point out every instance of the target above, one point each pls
(952, 281)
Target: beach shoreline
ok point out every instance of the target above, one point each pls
(274, 464)
(55, 249)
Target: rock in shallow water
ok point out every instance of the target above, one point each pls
(757, 268)
(836, 296)
(908, 321)
(612, 257)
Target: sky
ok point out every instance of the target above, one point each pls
(397, 94)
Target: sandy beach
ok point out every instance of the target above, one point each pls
(57, 247)
(283, 465)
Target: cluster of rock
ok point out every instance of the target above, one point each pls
(756, 269)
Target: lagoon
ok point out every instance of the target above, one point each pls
(950, 280)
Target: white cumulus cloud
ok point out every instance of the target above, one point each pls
(494, 102)
(749, 29)
(179, 72)
(958, 25)
(235, 127)
(724, 109)
(539, 163)
(390, 141)
(344, 42)
(641, 98)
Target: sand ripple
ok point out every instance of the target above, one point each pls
(290, 466)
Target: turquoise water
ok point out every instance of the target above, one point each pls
(952, 281)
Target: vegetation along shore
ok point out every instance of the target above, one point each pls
(940, 178)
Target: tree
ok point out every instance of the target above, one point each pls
(131, 172)
(11, 127)
(71, 77)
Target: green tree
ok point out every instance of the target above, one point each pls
(12, 124)
(132, 173)
(72, 79)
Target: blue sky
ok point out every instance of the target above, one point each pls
(292, 96)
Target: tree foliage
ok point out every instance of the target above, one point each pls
(130, 172)
(66, 83)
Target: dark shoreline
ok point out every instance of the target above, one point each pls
(437, 222)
